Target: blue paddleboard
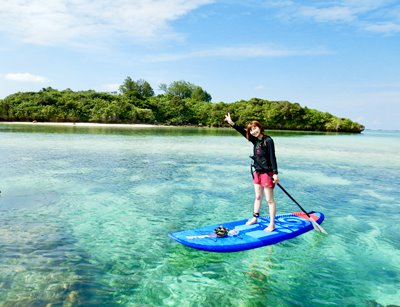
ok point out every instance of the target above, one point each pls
(244, 237)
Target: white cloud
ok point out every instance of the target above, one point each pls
(25, 77)
(371, 15)
(248, 51)
(386, 27)
(335, 13)
(82, 21)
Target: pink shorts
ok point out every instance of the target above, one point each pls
(264, 180)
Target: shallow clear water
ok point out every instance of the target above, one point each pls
(85, 215)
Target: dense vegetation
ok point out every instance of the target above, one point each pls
(182, 103)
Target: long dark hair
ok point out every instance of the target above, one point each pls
(252, 124)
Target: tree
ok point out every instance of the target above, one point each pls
(163, 87)
(145, 89)
(4, 107)
(183, 89)
(201, 95)
(129, 86)
(139, 89)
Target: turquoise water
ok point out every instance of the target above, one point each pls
(85, 215)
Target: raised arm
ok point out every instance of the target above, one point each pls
(239, 129)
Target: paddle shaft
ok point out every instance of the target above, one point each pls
(290, 196)
(316, 226)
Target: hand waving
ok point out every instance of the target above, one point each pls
(228, 119)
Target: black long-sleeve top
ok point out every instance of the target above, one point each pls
(263, 152)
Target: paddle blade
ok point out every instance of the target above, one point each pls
(317, 227)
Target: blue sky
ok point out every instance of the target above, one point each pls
(341, 57)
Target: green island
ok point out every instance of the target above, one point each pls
(182, 104)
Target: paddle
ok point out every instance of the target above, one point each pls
(316, 226)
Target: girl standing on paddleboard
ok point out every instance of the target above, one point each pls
(265, 175)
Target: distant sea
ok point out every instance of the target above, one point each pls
(85, 214)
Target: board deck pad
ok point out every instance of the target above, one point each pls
(244, 237)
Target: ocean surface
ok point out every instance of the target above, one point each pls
(85, 215)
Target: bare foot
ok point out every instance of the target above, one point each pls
(251, 221)
(270, 228)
